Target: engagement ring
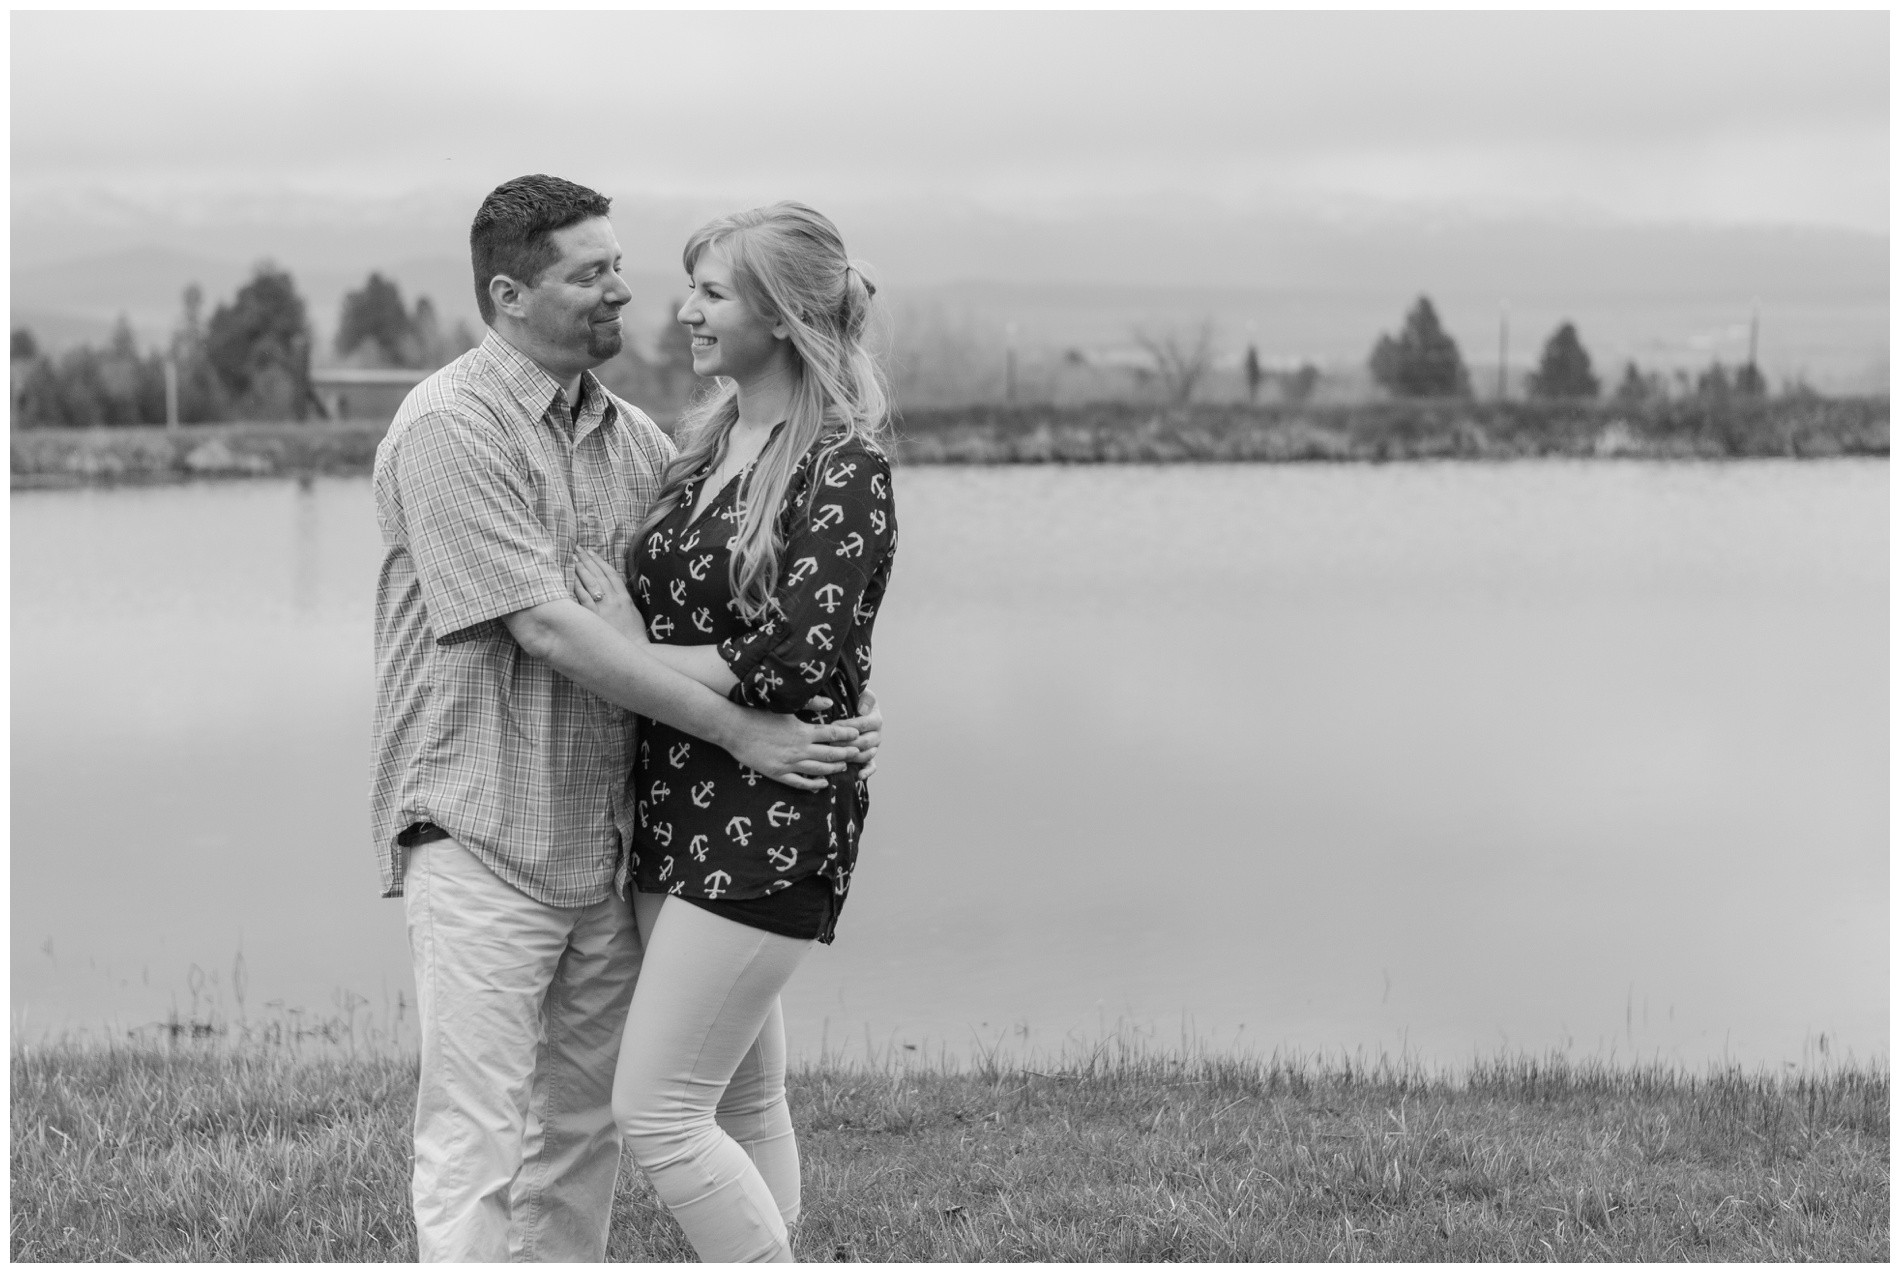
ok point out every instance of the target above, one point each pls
(597, 596)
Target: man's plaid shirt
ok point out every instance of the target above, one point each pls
(484, 489)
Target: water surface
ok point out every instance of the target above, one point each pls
(1435, 757)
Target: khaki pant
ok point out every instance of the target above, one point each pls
(521, 1007)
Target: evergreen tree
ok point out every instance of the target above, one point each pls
(1564, 371)
(1714, 383)
(1424, 361)
(259, 347)
(1635, 387)
(374, 315)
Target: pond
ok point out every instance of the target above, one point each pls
(1433, 758)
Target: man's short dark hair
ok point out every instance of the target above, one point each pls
(513, 227)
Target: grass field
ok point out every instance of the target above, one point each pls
(210, 1151)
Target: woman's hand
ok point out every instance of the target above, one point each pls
(597, 587)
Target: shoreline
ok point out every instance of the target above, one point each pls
(1108, 433)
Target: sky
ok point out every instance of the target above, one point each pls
(1725, 117)
(1507, 154)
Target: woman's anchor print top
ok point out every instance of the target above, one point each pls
(707, 827)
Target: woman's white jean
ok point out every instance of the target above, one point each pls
(700, 1090)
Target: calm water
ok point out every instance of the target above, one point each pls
(1441, 757)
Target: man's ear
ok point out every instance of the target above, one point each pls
(505, 293)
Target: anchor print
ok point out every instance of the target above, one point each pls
(802, 569)
(666, 869)
(661, 627)
(660, 792)
(702, 794)
(657, 541)
(644, 587)
(827, 515)
(877, 486)
(864, 659)
(663, 832)
(740, 829)
(697, 846)
(828, 597)
(698, 568)
(783, 858)
(677, 590)
(751, 776)
(767, 680)
(840, 475)
(716, 883)
(812, 670)
(676, 754)
(877, 520)
(819, 635)
(640, 811)
(781, 814)
(690, 542)
(679, 886)
(853, 545)
(778, 886)
(702, 619)
(646, 751)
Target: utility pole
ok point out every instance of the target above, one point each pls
(1504, 344)
(1009, 364)
(1252, 366)
(1754, 328)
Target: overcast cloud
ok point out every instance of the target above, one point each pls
(1724, 117)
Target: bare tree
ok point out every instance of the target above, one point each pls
(1180, 359)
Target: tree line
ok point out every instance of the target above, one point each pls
(250, 359)
(1423, 361)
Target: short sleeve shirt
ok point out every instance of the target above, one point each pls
(486, 484)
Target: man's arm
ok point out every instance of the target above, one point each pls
(583, 648)
(602, 592)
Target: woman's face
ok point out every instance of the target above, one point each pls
(730, 338)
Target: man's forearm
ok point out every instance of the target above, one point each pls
(586, 650)
(702, 663)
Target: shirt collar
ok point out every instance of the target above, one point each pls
(529, 384)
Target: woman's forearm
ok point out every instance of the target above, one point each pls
(701, 663)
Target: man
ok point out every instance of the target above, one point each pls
(500, 802)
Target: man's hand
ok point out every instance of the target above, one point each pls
(869, 722)
(789, 750)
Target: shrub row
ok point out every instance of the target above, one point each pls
(1106, 433)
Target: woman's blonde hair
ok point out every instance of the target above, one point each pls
(789, 265)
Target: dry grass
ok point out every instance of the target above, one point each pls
(209, 1151)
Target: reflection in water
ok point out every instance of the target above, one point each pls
(1442, 757)
(303, 589)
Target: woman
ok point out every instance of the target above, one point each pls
(759, 574)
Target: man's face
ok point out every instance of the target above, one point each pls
(573, 310)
